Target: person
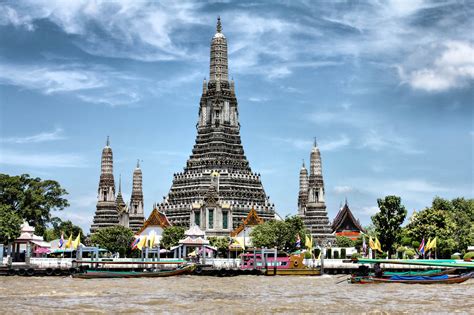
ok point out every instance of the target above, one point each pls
(377, 270)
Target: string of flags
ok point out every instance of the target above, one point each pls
(73, 244)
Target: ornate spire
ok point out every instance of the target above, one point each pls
(107, 166)
(138, 163)
(219, 65)
(108, 142)
(120, 184)
(219, 25)
(315, 161)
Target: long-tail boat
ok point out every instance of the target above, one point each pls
(98, 273)
(282, 265)
(431, 273)
(441, 279)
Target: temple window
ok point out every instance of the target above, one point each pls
(105, 196)
(197, 218)
(211, 218)
(225, 219)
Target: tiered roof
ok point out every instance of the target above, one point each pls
(252, 219)
(346, 217)
(156, 218)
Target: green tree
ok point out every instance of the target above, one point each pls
(282, 234)
(388, 221)
(343, 241)
(114, 238)
(10, 223)
(171, 235)
(32, 199)
(221, 243)
(58, 227)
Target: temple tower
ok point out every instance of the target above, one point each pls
(136, 201)
(122, 209)
(106, 210)
(217, 188)
(311, 204)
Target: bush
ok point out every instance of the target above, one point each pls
(336, 255)
(307, 255)
(406, 241)
(410, 253)
(469, 255)
(356, 255)
(415, 244)
(328, 253)
(343, 241)
(343, 253)
(455, 257)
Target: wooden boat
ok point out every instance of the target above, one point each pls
(93, 274)
(435, 272)
(442, 279)
(281, 265)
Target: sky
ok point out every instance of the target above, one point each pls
(386, 87)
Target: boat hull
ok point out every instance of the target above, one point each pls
(449, 280)
(95, 274)
(293, 272)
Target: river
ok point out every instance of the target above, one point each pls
(242, 294)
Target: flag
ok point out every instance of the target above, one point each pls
(61, 240)
(364, 245)
(371, 243)
(239, 241)
(421, 249)
(378, 246)
(69, 242)
(142, 243)
(308, 242)
(151, 238)
(433, 243)
(298, 241)
(77, 241)
(428, 245)
(135, 243)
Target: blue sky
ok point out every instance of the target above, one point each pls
(385, 86)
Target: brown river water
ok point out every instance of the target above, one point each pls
(242, 294)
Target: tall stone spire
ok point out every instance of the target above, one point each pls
(136, 201)
(303, 193)
(106, 210)
(218, 66)
(217, 156)
(313, 209)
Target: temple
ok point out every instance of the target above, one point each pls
(112, 210)
(311, 204)
(217, 188)
(345, 224)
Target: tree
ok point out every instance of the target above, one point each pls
(171, 236)
(10, 224)
(114, 238)
(343, 241)
(388, 221)
(221, 243)
(59, 226)
(32, 199)
(281, 234)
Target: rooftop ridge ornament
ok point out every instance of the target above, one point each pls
(315, 142)
(107, 143)
(219, 25)
(138, 163)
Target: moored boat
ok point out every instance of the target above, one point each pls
(278, 265)
(98, 273)
(440, 279)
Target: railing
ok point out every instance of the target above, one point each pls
(52, 262)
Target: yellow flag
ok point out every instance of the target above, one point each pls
(428, 245)
(77, 241)
(240, 241)
(307, 242)
(433, 243)
(377, 245)
(152, 239)
(69, 242)
(142, 243)
(371, 243)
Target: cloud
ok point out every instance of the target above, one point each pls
(257, 99)
(57, 134)
(51, 79)
(42, 160)
(112, 98)
(370, 210)
(378, 140)
(332, 145)
(343, 189)
(454, 68)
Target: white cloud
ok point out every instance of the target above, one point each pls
(57, 134)
(332, 145)
(378, 140)
(112, 98)
(52, 79)
(343, 189)
(9, 15)
(454, 68)
(370, 210)
(258, 99)
(42, 160)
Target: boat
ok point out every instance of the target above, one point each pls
(440, 279)
(104, 273)
(434, 272)
(278, 265)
